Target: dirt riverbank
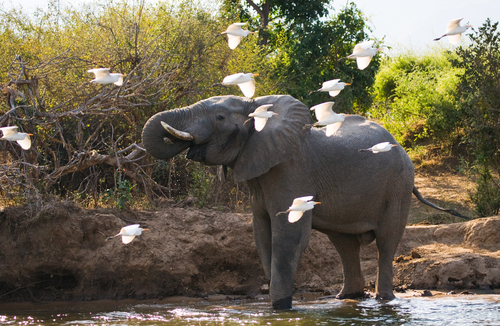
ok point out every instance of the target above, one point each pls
(64, 255)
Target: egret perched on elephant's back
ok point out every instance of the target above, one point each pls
(22, 138)
(284, 161)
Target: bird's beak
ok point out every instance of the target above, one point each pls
(255, 75)
(317, 202)
(275, 113)
(394, 145)
(145, 229)
(252, 32)
(30, 134)
(348, 84)
(124, 75)
(380, 49)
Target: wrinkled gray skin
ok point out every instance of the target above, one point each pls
(364, 196)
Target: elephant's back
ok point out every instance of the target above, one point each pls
(357, 181)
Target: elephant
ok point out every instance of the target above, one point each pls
(364, 196)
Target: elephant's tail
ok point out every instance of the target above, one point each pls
(425, 201)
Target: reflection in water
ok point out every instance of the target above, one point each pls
(464, 310)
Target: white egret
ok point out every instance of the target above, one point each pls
(260, 116)
(244, 80)
(22, 138)
(326, 117)
(380, 147)
(454, 31)
(363, 53)
(102, 76)
(299, 206)
(333, 87)
(129, 232)
(235, 33)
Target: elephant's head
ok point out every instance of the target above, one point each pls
(218, 131)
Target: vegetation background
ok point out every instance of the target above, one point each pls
(87, 137)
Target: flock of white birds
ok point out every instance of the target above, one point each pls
(362, 52)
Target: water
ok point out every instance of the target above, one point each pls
(444, 310)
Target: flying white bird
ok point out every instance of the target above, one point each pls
(454, 31)
(380, 147)
(260, 116)
(326, 117)
(102, 76)
(235, 33)
(363, 52)
(333, 87)
(299, 206)
(22, 138)
(244, 81)
(129, 232)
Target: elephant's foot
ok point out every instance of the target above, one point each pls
(283, 304)
(385, 296)
(355, 295)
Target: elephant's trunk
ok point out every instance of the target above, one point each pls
(165, 143)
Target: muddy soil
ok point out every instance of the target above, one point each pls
(63, 255)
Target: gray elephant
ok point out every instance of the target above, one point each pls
(364, 196)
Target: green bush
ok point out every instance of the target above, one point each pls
(415, 96)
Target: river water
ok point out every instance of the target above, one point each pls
(407, 310)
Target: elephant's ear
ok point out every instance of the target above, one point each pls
(279, 141)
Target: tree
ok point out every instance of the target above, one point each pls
(288, 12)
(309, 54)
(480, 98)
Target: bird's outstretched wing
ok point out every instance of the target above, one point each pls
(323, 110)
(131, 229)
(363, 62)
(332, 128)
(248, 88)
(9, 130)
(127, 238)
(262, 108)
(452, 24)
(301, 200)
(235, 26)
(334, 93)
(99, 72)
(233, 41)
(294, 216)
(119, 82)
(454, 39)
(363, 45)
(330, 83)
(25, 143)
(232, 79)
(259, 123)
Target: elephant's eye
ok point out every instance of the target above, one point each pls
(220, 117)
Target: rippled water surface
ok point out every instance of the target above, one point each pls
(445, 310)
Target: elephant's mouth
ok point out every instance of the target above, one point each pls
(196, 152)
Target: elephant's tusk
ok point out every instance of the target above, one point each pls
(177, 133)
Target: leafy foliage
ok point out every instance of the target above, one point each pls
(415, 97)
(85, 132)
(480, 98)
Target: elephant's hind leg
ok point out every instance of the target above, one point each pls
(388, 235)
(348, 246)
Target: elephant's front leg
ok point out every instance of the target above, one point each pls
(288, 242)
